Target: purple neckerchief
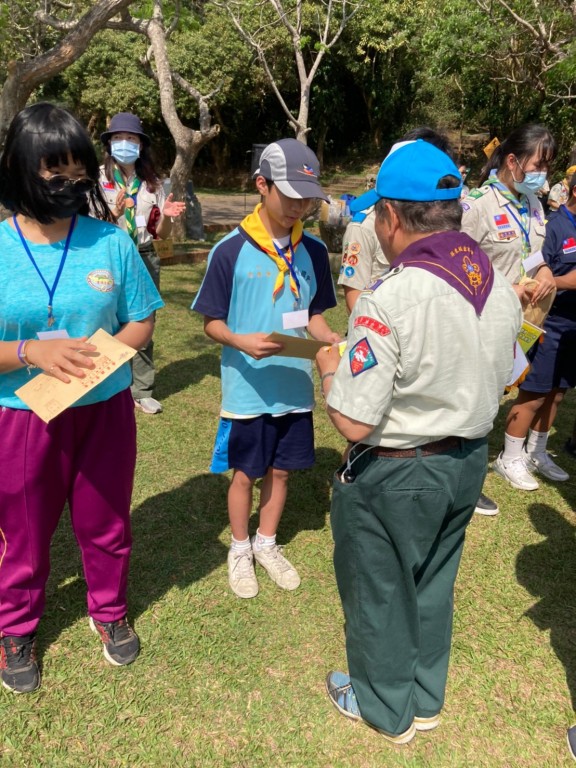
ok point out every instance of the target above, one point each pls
(458, 260)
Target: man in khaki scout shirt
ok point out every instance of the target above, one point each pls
(417, 389)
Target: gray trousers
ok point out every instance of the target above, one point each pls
(143, 371)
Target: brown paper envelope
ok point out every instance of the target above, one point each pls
(48, 396)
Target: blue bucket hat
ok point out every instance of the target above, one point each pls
(411, 171)
(125, 122)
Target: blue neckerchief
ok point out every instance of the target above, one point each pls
(289, 264)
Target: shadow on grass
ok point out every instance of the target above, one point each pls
(547, 571)
(185, 373)
(176, 542)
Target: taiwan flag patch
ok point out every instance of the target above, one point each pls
(108, 185)
(501, 221)
(362, 358)
(569, 245)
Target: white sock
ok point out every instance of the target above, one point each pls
(536, 442)
(263, 541)
(240, 546)
(512, 448)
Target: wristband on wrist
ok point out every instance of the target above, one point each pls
(21, 352)
(323, 378)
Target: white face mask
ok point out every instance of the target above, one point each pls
(125, 152)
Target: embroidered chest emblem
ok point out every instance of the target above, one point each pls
(101, 280)
(362, 357)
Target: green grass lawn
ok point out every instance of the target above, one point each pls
(225, 682)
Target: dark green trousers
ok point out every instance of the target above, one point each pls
(399, 532)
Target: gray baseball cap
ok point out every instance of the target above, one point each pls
(293, 168)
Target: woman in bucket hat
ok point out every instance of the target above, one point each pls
(133, 190)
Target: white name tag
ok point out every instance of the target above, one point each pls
(46, 335)
(297, 319)
(140, 221)
(532, 262)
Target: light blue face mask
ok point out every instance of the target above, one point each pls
(532, 181)
(125, 152)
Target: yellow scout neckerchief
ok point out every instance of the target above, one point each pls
(254, 227)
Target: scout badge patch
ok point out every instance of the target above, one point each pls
(362, 358)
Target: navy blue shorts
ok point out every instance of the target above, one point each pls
(554, 362)
(283, 442)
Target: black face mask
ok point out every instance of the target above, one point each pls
(65, 197)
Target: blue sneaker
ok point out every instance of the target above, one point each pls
(571, 738)
(342, 695)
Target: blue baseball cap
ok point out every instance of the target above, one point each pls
(411, 171)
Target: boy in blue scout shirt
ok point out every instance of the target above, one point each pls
(267, 275)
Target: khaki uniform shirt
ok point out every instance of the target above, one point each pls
(145, 201)
(363, 260)
(420, 365)
(487, 219)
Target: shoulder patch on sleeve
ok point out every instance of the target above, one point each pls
(362, 357)
(372, 324)
(476, 193)
(359, 217)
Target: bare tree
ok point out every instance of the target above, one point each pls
(26, 75)
(545, 31)
(332, 16)
(188, 141)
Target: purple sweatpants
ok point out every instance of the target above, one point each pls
(85, 456)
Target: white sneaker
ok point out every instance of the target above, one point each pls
(543, 464)
(516, 472)
(148, 405)
(276, 566)
(241, 576)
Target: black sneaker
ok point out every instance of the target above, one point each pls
(485, 506)
(20, 672)
(570, 448)
(571, 739)
(121, 643)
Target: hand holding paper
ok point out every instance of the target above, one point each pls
(49, 395)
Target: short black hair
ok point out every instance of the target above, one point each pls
(49, 133)
(438, 140)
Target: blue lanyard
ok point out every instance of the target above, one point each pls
(494, 181)
(568, 214)
(289, 264)
(51, 291)
(525, 232)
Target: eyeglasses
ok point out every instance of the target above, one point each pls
(59, 182)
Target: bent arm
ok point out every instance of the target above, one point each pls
(137, 333)
(253, 344)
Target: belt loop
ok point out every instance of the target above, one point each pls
(418, 452)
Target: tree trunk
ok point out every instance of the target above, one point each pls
(24, 76)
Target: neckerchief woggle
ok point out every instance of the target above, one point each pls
(523, 211)
(51, 291)
(253, 226)
(455, 258)
(130, 209)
